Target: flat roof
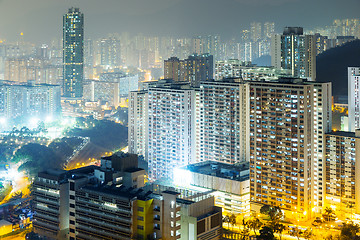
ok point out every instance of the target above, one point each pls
(238, 172)
(342, 134)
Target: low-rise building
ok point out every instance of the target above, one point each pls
(111, 202)
(229, 184)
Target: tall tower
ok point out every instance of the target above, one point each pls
(73, 53)
(295, 51)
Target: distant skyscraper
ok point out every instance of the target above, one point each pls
(354, 98)
(295, 51)
(73, 53)
(174, 69)
(209, 44)
(110, 52)
(194, 69)
(255, 31)
(228, 69)
(269, 29)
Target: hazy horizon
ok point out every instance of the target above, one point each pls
(41, 20)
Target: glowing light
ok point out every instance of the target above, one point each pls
(33, 122)
(3, 121)
(49, 119)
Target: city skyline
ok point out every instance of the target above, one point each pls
(148, 17)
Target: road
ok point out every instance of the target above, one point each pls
(86, 156)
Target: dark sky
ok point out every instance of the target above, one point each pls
(41, 20)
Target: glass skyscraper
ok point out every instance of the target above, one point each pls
(73, 53)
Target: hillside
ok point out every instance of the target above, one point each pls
(332, 66)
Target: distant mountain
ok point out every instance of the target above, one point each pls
(332, 66)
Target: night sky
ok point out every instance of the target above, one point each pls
(41, 20)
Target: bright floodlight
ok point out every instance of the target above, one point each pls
(3, 120)
(49, 119)
(33, 121)
(14, 174)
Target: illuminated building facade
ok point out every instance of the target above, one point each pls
(174, 69)
(228, 68)
(354, 98)
(295, 51)
(171, 132)
(218, 134)
(138, 123)
(342, 174)
(285, 144)
(111, 202)
(25, 102)
(194, 69)
(230, 184)
(73, 53)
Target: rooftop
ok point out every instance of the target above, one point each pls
(238, 172)
(342, 134)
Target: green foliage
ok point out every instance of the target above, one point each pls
(106, 134)
(65, 147)
(307, 234)
(266, 233)
(329, 214)
(254, 224)
(36, 157)
(275, 214)
(349, 231)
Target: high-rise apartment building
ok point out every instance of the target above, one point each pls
(110, 52)
(284, 169)
(218, 134)
(194, 69)
(174, 69)
(73, 53)
(295, 51)
(269, 29)
(209, 44)
(354, 98)
(228, 69)
(171, 121)
(21, 103)
(255, 31)
(341, 171)
(138, 123)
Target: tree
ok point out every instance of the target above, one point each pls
(266, 233)
(275, 214)
(328, 214)
(232, 221)
(254, 224)
(349, 231)
(226, 219)
(244, 231)
(279, 228)
(307, 234)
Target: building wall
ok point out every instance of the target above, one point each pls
(171, 130)
(354, 97)
(341, 157)
(280, 144)
(219, 127)
(138, 123)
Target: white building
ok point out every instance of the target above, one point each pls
(23, 103)
(354, 98)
